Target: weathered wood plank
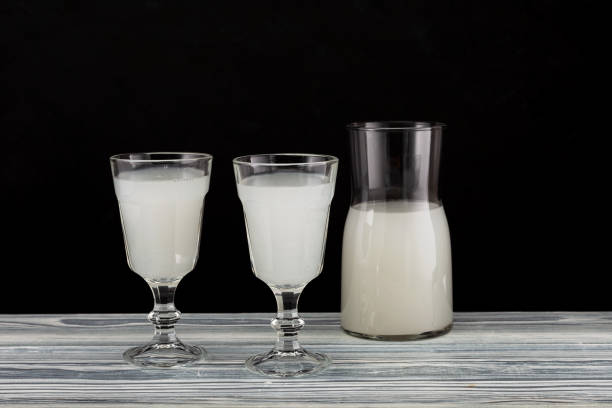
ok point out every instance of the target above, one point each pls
(526, 359)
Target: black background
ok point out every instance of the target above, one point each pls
(517, 83)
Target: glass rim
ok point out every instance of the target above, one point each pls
(124, 157)
(395, 125)
(326, 159)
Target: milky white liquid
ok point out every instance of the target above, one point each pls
(161, 212)
(396, 269)
(286, 215)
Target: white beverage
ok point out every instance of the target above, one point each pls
(396, 269)
(286, 215)
(161, 212)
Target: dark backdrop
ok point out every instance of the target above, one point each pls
(517, 83)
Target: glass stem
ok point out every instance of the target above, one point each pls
(164, 315)
(287, 323)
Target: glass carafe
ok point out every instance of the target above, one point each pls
(396, 255)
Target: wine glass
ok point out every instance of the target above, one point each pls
(286, 200)
(161, 201)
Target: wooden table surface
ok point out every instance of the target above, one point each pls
(516, 359)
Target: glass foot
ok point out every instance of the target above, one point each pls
(288, 364)
(163, 355)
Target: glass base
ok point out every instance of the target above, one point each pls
(401, 337)
(164, 355)
(288, 364)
